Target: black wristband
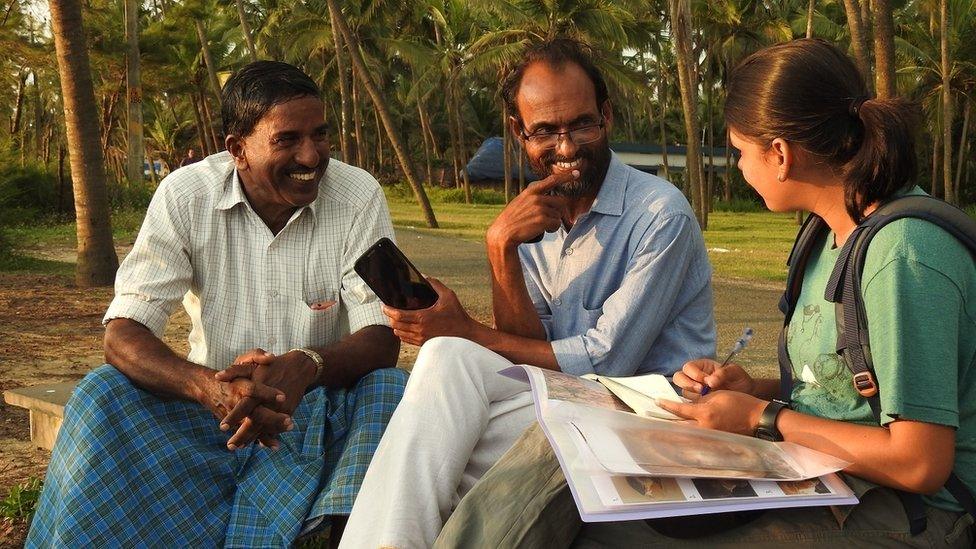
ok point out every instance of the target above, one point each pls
(766, 429)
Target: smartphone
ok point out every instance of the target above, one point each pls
(393, 278)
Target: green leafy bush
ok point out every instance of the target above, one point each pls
(27, 193)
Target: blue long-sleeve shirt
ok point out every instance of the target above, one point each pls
(627, 290)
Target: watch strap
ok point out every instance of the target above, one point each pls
(766, 429)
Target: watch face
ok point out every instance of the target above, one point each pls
(763, 434)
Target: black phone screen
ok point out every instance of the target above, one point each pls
(393, 278)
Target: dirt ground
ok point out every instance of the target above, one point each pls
(50, 331)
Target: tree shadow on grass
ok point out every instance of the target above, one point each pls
(18, 263)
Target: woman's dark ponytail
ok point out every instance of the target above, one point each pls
(885, 161)
(810, 93)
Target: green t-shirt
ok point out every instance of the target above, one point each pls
(919, 290)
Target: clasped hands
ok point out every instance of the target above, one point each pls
(258, 394)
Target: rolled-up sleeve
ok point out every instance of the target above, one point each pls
(633, 316)
(373, 223)
(156, 274)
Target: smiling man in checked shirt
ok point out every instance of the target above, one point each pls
(620, 285)
(259, 243)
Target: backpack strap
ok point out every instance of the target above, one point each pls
(844, 289)
(844, 286)
(806, 238)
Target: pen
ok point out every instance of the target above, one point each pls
(739, 345)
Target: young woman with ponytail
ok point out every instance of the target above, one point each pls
(812, 138)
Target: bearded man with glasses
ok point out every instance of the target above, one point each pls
(597, 268)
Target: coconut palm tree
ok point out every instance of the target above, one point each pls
(379, 103)
(135, 148)
(884, 48)
(859, 39)
(97, 260)
(680, 19)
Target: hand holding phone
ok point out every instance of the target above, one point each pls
(393, 278)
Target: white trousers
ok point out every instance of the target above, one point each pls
(457, 417)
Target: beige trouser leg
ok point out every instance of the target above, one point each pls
(523, 502)
(457, 417)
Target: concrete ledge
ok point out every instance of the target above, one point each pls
(46, 405)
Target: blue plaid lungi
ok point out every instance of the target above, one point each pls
(131, 469)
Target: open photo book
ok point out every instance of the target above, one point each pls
(625, 458)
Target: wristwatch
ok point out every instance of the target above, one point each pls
(317, 359)
(766, 430)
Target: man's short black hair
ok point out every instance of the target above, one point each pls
(251, 92)
(555, 53)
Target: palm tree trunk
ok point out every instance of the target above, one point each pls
(345, 133)
(727, 194)
(426, 126)
(681, 33)
(662, 93)
(711, 139)
(380, 153)
(201, 131)
(858, 38)
(208, 125)
(649, 104)
(462, 146)
(963, 145)
(866, 28)
(423, 133)
(39, 126)
(108, 114)
(62, 181)
(936, 187)
(208, 61)
(379, 103)
(884, 49)
(950, 194)
(97, 261)
(246, 31)
(135, 152)
(810, 9)
(452, 128)
(19, 109)
(357, 116)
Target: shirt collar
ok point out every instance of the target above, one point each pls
(233, 194)
(610, 199)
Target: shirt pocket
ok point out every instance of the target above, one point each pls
(319, 321)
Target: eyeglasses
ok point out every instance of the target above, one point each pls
(580, 136)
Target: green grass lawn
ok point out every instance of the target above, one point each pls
(750, 246)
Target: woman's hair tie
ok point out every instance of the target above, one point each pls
(854, 107)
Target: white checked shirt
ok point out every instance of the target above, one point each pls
(242, 286)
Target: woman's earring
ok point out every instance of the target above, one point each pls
(781, 177)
